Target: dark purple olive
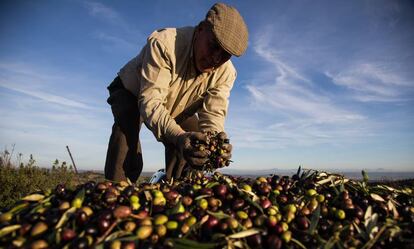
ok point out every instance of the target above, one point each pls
(187, 200)
(277, 229)
(264, 188)
(220, 190)
(302, 223)
(171, 195)
(128, 191)
(81, 218)
(89, 187)
(68, 234)
(265, 203)
(211, 222)
(255, 241)
(24, 229)
(60, 190)
(238, 204)
(206, 191)
(252, 213)
(92, 230)
(106, 215)
(110, 197)
(103, 225)
(274, 242)
(80, 243)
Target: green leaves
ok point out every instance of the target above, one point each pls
(9, 229)
(314, 220)
(244, 234)
(191, 244)
(33, 197)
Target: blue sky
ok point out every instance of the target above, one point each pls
(323, 84)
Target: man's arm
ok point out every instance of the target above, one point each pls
(213, 111)
(156, 77)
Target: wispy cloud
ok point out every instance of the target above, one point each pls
(125, 36)
(292, 92)
(46, 96)
(36, 82)
(373, 82)
(303, 114)
(105, 13)
(116, 44)
(39, 121)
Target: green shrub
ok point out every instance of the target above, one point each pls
(18, 181)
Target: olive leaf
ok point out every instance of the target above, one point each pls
(391, 206)
(219, 215)
(6, 230)
(368, 213)
(297, 242)
(245, 233)
(324, 181)
(65, 217)
(191, 244)
(201, 197)
(212, 184)
(365, 176)
(19, 207)
(33, 197)
(314, 220)
(377, 197)
(116, 235)
(148, 195)
(239, 244)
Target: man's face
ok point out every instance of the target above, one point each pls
(208, 54)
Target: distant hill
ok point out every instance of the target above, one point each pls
(378, 175)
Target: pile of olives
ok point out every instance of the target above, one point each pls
(308, 210)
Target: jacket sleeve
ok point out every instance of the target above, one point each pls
(212, 113)
(155, 80)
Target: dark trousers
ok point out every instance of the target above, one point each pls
(124, 155)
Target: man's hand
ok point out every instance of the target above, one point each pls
(227, 147)
(191, 154)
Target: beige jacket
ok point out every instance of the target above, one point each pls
(164, 78)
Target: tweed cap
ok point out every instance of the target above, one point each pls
(229, 28)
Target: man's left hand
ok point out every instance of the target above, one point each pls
(227, 147)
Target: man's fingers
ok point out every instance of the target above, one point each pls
(227, 147)
(226, 156)
(194, 161)
(201, 154)
(222, 135)
(202, 137)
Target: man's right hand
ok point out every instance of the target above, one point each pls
(191, 154)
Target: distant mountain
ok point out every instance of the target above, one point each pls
(261, 172)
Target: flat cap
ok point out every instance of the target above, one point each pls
(229, 28)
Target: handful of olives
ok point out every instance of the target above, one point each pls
(215, 145)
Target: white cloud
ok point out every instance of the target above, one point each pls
(40, 83)
(42, 123)
(116, 44)
(124, 38)
(105, 13)
(293, 93)
(298, 112)
(45, 96)
(373, 82)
